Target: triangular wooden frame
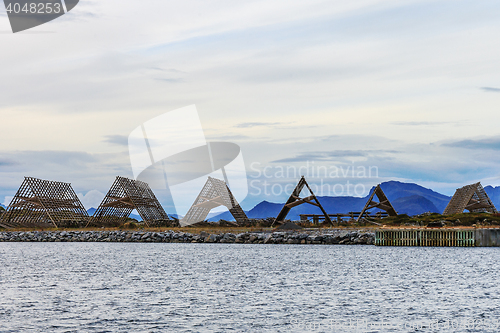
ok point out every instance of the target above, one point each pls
(471, 197)
(123, 197)
(214, 193)
(383, 203)
(296, 200)
(41, 202)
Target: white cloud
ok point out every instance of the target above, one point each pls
(91, 199)
(365, 65)
(7, 200)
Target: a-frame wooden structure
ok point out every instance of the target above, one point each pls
(471, 197)
(296, 200)
(44, 203)
(383, 203)
(123, 197)
(214, 193)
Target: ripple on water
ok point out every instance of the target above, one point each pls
(124, 287)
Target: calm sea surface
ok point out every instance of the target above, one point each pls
(130, 287)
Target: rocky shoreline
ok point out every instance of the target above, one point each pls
(314, 237)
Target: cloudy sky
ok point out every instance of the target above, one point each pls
(410, 89)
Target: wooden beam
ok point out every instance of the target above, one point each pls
(300, 201)
(295, 200)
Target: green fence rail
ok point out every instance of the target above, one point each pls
(425, 238)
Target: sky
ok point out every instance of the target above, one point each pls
(408, 90)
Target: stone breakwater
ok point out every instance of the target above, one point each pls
(332, 237)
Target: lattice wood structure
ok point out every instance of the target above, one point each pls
(471, 197)
(296, 200)
(383, 203)
(214, 193)
(123, 197)
(42, 203)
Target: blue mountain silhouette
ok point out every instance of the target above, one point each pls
(407, 198)
(494, 194)
(92, 210)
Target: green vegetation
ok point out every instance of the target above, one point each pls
(130, 225)
(463, 219)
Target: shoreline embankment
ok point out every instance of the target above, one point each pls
(330, 237)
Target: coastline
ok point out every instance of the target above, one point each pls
(326, 237)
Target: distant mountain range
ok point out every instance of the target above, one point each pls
(407, 198)
(494, 194)
(92, 210)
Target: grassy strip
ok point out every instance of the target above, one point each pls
(456, 220)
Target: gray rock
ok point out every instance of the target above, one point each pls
(211, 239)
